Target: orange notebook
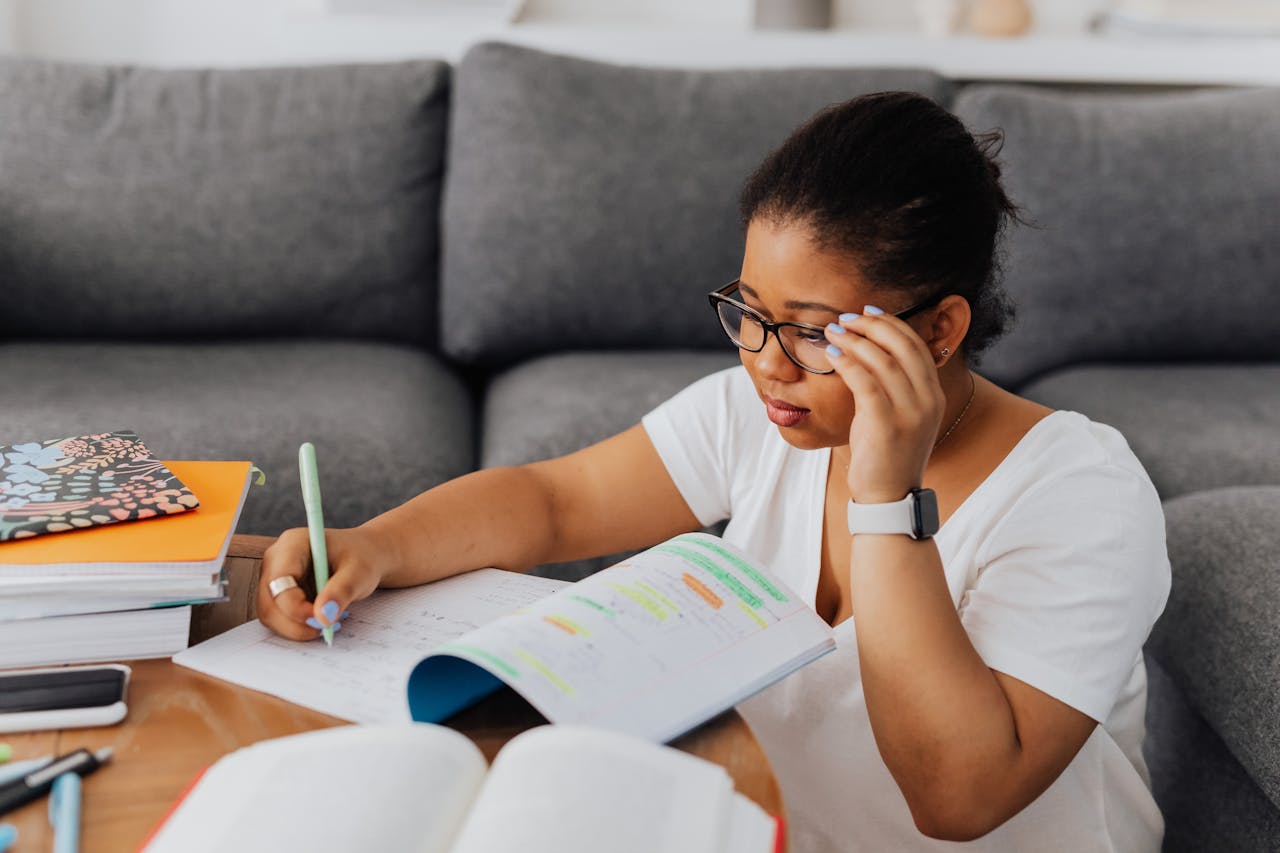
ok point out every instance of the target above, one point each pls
(195, 540)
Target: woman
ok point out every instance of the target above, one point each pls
(988, 684)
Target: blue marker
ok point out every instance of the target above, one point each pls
(64, 813)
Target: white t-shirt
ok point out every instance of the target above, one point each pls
(1058, 569)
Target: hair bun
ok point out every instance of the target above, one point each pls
(898, 186)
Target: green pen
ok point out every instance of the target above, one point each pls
(315, 521)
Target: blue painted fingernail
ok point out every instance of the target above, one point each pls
(337, 626)
(845, 318)
(346, 613)
(835, 328)
(330, 610)
(873, 310)
(833, 350)
(314, 622)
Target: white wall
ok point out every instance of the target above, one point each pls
(248, 32)
(8, 26)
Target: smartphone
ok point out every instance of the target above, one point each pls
(63, 697)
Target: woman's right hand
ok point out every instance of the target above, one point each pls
(358, 560)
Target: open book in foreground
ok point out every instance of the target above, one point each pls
(422, 788)
(652, 646)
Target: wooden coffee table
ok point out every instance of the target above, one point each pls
(181, 721)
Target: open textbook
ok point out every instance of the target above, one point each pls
(652, 646)
(425, 789)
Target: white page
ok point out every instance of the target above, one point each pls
(653, 645)
(91, 637)
(750, 830)
(106, 585)
(402, 788)
(572, 789)
(362, 677)
(70, 602)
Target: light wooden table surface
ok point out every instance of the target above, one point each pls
(181, 721)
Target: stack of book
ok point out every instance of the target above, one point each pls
(103, 548)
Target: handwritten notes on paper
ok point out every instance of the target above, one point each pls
(362, 677)
(690, 608)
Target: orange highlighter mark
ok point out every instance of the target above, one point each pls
(703, 591)
(559, 624)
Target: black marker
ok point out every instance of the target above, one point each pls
(38, 782)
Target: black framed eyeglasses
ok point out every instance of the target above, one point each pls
(805, 344)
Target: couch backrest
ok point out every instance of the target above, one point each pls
(150, 204)
(1157, 235)
(589, 205)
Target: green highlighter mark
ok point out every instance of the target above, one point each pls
(708, 565)
(498, 662)
(545, 670)
(746, 568)
(594, 604)
(653, 592)
(639, 597)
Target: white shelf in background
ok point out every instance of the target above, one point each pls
(1081, 59)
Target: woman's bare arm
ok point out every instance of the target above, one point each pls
(611, 496)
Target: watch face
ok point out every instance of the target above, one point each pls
(924, 521)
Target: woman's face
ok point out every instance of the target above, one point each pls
(785, 277)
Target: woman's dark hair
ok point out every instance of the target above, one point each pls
(898, 184)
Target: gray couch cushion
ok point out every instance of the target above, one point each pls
(590, 206)
(1193, 427)
(1219, 637)
(561, 403)
(558, 404)
(387, 421)
(1209, 802)
(1157, 215)
(155, 204)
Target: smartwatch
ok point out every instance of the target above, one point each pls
(916, 515)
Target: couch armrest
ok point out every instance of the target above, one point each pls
(1219, 637)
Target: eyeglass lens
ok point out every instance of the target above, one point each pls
(807, 347)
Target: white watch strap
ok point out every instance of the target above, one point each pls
(893, 517)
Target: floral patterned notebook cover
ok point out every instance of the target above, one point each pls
(84, 481)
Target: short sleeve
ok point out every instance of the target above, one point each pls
(694, 434)
(1069, 584)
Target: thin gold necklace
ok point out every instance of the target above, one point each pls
(973, 389)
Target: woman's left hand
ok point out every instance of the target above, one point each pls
(898, 403)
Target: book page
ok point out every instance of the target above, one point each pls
(751, 829)
(362, 676)
(91, 637)
(652, 646)
(570, 789)
(352, 788)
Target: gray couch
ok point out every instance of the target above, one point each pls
(425, 269)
